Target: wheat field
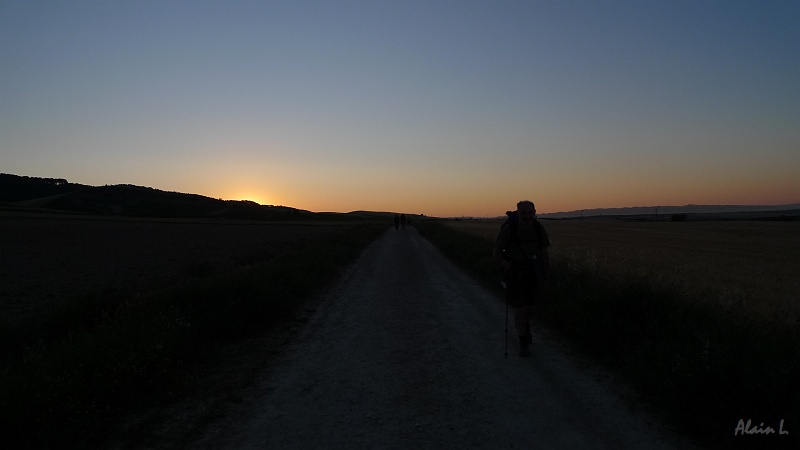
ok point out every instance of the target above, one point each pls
(752, 265)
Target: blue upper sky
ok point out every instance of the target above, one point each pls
(435, 107)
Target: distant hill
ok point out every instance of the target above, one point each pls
(129, 200)
(695, 210)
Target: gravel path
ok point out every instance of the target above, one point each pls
(407, 352)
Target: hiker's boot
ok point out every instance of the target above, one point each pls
(524, 343)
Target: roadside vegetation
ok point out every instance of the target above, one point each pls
(706, 331)
(66, 379)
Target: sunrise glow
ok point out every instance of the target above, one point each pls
(422, 107)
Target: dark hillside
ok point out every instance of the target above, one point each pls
(14, 188)
(132, 201)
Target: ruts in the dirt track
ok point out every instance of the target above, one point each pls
(407, 352)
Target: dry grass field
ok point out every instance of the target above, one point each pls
(48, 259)
(749, 264)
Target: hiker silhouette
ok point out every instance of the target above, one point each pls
(521, 253)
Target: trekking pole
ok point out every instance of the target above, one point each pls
(505, 286)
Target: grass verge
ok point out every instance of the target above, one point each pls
(703, 367)
(66, 381)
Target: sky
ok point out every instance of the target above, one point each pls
(443, 108)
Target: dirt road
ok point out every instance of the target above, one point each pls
(407, 352)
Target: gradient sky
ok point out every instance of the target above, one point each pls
(432, 107)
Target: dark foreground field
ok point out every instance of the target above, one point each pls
(104, 319)
(48, 259)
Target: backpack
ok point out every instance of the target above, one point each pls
(513, 223)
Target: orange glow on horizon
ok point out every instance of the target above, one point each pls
(485, 197)
(260, 199)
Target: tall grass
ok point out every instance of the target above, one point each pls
(705, 365)
(108, 352)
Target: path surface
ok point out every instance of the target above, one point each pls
(407, 352)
